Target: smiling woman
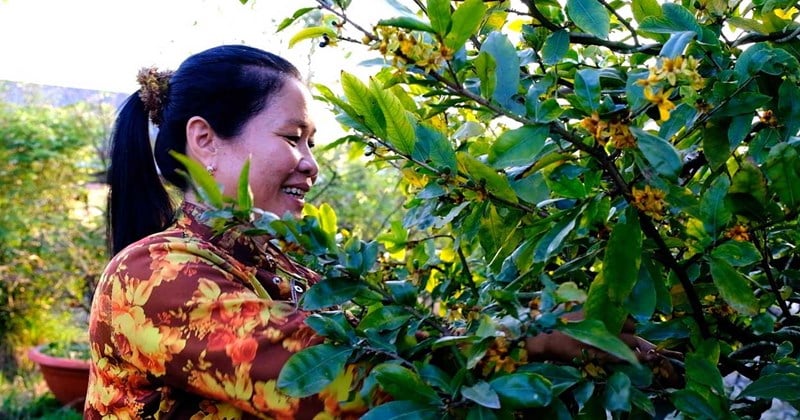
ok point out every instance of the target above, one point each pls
(186, 322)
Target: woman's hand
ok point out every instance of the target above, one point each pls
(559, 347)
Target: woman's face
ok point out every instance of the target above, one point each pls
(278, 141)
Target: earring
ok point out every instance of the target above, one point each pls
(211, 169)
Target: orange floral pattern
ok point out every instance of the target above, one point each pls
(177, 331)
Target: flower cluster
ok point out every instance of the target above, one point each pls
(615, 130)
(738, 233)
(502, 356)
(659, 84)
(406, 48)
(650, 201)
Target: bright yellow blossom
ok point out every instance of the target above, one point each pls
(661, 100)
(785, 14)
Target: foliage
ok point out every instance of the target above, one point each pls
(629, 159)
(365, 201)
(51, 237)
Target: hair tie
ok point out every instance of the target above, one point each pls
(153, 91)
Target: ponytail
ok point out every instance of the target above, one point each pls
(138, 202)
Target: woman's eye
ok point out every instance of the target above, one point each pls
(293, 140)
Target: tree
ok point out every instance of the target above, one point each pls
(631, 159)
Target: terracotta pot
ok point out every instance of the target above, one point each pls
(67, 379)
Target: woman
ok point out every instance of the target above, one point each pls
(175, 328)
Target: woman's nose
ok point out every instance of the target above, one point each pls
(308, 166)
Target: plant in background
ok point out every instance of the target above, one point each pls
(52, 244)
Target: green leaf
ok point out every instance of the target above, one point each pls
(331, 292)
(405, 384)
(399, 127)
(543, 111)
(641, 303)
(749, 25)
(364, 104)
(519, 146)
(486, 175)
(244, 196)
(594, 333)
(674, 18)
(700, 370)
(737, 253)
(716, 145)
(782, 386)
(403, 291)
(788, 112)
(481, 393)
(481, 413)
(465, 22)
(523, 390)
(333, 325)
(312, 32)
(618, 393)
(561, 377)
(205, 184)
(623, 257)
(590, 16)
(532, 188)
(713, 212)
(659, 153)
(696, 406)
(506, 68)
(677, 43)
(327, 221)
(288, 21)
(310, 370)
(645, 8)
(555, 47)
(437, 377)
(403, 410)
(486, 69)
(553, 240)
(385, 318)
(407, 22)
(743, 104)
(733, 287)
(439, 14)
(587, 88)
(783, 169)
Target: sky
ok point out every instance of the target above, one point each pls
(101, 44)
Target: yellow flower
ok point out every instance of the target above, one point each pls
(661, 100)
(622, 136)
(785, 14)
(738, 233)
(597, 127)
(652, 78)
(650, 201)
(670, 67)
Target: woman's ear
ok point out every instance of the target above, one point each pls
(201, 141)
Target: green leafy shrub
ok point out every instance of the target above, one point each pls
(51, 230)
(634, 159)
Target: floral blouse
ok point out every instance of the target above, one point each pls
(177, 331)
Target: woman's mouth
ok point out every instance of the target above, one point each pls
(295, 192)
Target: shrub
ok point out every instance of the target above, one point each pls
(631, 159)
(51, 235)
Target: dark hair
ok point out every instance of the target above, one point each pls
(226, 85)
